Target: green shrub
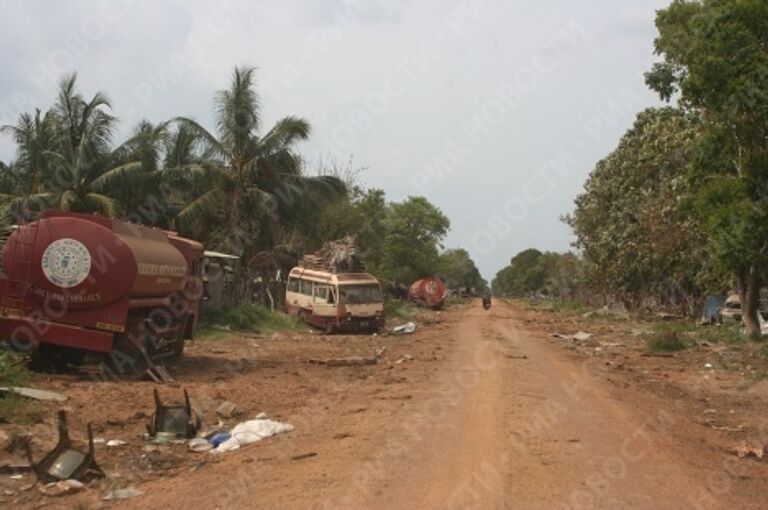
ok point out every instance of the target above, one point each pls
(396, 309)
(250, 317)
(12, 373)
(666, 340)
(12, 370)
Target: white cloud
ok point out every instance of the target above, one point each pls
(390, 82)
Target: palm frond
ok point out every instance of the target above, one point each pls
(238, 112)
(102, 204)
(205, 136)
(124, 172)
(209, 204)
(284, 135)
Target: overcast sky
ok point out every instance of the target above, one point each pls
(495, 110)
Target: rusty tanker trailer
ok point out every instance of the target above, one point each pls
(74, 284)
(428, 293)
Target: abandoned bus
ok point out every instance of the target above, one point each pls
(335, 302)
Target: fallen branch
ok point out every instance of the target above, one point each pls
(354, 361)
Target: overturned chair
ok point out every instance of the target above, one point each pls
(177, 420)
(65, 462)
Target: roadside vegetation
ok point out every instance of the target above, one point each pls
(240, 187)
(679, 210)
(247, 317)
(13, 372)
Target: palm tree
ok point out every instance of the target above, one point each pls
(248, 182)
(247, 185)
(66, 155)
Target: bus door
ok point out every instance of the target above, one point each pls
(324, 300)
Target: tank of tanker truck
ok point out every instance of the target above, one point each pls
(428, 292)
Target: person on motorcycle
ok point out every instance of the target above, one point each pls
(486, 301)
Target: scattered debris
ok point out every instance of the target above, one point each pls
(513, 356)
(176, 420)
(64, 462)
(354, 361)
(116, 442)
(35, 394)
(403, 359)
(740, 428)
(708, 365)
(227, 410)
(307, 455)
(250, 432)
(219, 437)
(126, 493)
(62, 488)
(199, 444)
(335, 256)
(581, 336)
(406, 329)
(745, 451)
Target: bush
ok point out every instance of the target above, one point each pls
(12, 370)
(12, 373)
(666, 340)
(249, 317)
(396, 309)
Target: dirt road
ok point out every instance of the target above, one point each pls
(475, 410)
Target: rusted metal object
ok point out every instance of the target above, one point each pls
(65, 462)
(90, 283)
(428, 293)
(178, 420)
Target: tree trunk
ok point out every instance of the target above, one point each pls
(748, 287)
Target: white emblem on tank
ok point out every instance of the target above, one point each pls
(66, 263)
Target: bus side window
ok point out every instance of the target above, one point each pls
(293, 285)
(331, 295)
(306, 287)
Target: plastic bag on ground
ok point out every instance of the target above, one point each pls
(405, 329)
(250, 432)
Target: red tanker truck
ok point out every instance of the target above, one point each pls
(428, 293)
(79, 284)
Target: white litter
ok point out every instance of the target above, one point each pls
(128, 492)
(581, 336)
(405, 329)
(34, 393)
(250, 432)
(199, 444)
(763, 324)
(116, 442)
(62, 488)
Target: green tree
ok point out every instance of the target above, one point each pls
(250, 183)
(413, 230)
(459, 271)
(65, 155)
(247, 187)
(715, 60)
(633, 223)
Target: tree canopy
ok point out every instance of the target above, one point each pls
(715, 60)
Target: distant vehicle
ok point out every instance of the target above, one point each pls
(428, 293)
(487, 302)
(335, 301)
(731, 310)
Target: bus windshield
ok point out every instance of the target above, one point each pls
(359, 294)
